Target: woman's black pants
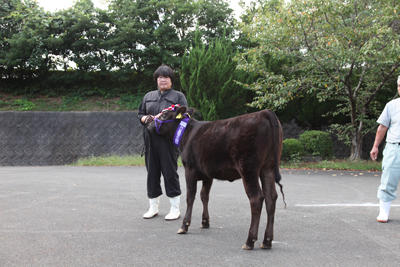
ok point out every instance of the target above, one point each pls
(161, 158)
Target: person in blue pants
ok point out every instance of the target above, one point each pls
(389, 122)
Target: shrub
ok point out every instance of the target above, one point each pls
(292, 149)
(130, 102)
(23, 105)
(317, 143)
(208, 78)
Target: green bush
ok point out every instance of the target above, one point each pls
(317, 143)
(292, 149)
(23, 105)
(208, 78)
(86, 84)
(130, 102)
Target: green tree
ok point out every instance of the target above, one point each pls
(132, 36)
(214, 19)
(208, 78)
(8, 27)
(147, 33)
(82, 31)
(23, 51)
(342, 50)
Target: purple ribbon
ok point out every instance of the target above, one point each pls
(180, 130)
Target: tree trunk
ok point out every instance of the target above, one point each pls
(356, 149)
(356, 143)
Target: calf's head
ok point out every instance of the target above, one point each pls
(167, 122)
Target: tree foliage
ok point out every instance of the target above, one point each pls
(150, 32)
(130, 36)
(22, 38)
(83, 31)
(209, 79)
(342, 50)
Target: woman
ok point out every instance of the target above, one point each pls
(160, 154)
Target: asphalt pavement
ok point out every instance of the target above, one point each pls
(92, 216)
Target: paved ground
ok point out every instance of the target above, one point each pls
(91, 216)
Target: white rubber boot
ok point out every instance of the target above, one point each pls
(153, 210)
(174, 212)
(384, 209)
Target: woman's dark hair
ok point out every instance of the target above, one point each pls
(164, 71)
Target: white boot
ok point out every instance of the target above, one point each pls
(174, 212)
(384, 209)
(153, 210)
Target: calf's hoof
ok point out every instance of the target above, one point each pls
(181, 231)
(267, 243)
(247, 247)
(266, 246)
(205, 224)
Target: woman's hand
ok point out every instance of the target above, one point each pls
(147, 119)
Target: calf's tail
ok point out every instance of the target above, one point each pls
(276, 137)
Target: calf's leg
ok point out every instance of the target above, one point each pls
(205, 194)
(270, 195)
(255, 195)
(191, 188)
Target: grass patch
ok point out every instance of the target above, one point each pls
(111, 161)
(23, 104)
(129, 102)
(114, 161)
(362, 165)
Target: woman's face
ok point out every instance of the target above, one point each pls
(164, 83)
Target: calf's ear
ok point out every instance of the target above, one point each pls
(194, 113)
(181, 110)
(190, 111)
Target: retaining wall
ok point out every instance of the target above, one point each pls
(58, 138)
